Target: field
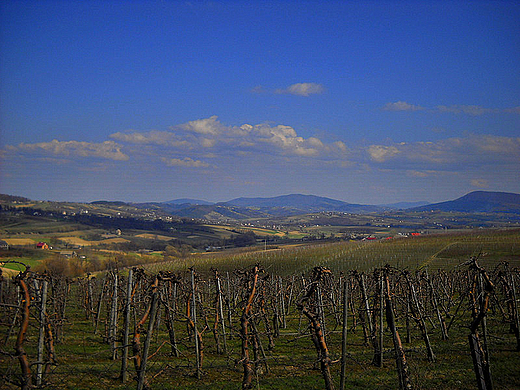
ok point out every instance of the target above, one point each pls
(88, 338)
(434, 251)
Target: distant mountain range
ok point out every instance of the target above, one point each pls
(478, 202)
(297, 204)
(243, 208)
(188, 201)
(289, 205)
(301, 204)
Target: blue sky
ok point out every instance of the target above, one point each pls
(367, 102)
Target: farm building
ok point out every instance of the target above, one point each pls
(4, 245)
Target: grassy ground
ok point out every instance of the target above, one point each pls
(84, 360)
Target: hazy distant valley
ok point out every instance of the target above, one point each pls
(198, 225)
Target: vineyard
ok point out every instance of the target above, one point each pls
(438, 313)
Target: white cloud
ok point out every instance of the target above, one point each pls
(204, 126)
(210, 133)
(499, 145)
(302, 89)
(340, 145)
(381, 153)
(401, 106)
(154, 137)
(108, 149)
(417, 173)
(185, 162)
(208, 143)
(474, 149)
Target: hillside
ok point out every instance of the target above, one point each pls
(301, 204)
(184, 201)
(478, 202)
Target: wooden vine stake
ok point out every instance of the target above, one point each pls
(344, 336)
(191, 314)
(141, 380)
(170, 313)
(112, 334)
(41, 337)
(126, 332)
(419, 318)
(20, 351)
(251, 280)
(478, 354)
(515, 320)
(400, 358)
(508, 281)
(312, 314)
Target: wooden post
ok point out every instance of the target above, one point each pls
(124, 365)
(24, 324)
(381, 317)
(321, 312)
(171, 313)
(480, 307)
(251, 280)
(344, 336)
(228, 304)
(489, 378)
(141, 384)
(194, 324)
(317, 334)
(400, 358)
(516, 318)
(422, 325)
(41, 336)
(113, 319)
(442, 323)
(221, 311)
(90, 307)
(282, 296)
(100, 303)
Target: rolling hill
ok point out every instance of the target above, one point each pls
(301, 204)
(188, 201)
(478, 202)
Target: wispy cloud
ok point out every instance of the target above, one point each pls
(208, 143)
(108, 149)
(211, 135)
(475, 149)
(154, 137)
(302, 89)
(208, 126)
(401, 106)
(472, 110)
(185, 162)
(381, 153)
(298, 89)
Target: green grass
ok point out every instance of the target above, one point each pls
(84, 362)
(435, 251)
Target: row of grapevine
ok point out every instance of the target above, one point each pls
(154, 324)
